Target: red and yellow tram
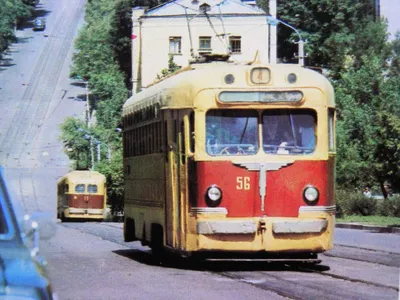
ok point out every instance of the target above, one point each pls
(229, 159)
(82, 195)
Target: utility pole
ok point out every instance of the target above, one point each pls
(88, 124)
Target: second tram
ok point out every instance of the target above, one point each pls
(82, 195)
(227, 160)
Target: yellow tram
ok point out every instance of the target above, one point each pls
(204, 176)
(82, 195)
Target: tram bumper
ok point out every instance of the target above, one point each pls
(88, 213)
(266, 234)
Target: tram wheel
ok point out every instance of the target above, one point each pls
(157, 243)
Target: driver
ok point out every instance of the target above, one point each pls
(275, 133)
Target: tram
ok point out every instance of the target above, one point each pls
(232, 160)
(82, 195)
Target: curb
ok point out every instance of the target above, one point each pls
(372, 228)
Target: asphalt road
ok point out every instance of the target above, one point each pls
(90, 260)
(36, 96)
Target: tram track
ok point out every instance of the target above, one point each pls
(307, 283)
(22, 133)
(335, 278)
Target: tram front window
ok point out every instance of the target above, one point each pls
(287, 131)
(92, 189)
(80, 188)
(231, 132)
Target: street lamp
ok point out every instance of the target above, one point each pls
(88, 136)
(274, 22)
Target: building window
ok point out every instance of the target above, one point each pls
(235, 44)
(205, 43)
(175, 43)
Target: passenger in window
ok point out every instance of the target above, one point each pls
(276, 131)
(306, 124)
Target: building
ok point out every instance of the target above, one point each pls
(189, 30)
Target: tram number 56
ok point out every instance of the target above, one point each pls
(242, 183)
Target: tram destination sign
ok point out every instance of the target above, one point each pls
(261, 97)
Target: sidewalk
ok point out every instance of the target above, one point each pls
(372, 228)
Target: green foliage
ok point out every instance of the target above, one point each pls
(172, 68)
(329, 28)
(355, 203)
(264, 5)
(10, 12)
(390, 207)
(368, 103)
(363, 206)
(102, 58)
(115, 180)
(75, 144)
(371, 220)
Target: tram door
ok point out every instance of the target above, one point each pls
(176, 189)
(172, 178)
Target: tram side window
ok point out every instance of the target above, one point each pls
(232, 132)
(289, 131)
(92, 189)
(331, 129)
(66, 188)
(80, 188)
(191, 131)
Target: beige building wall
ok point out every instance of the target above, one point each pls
(151, 40)
(156, 34)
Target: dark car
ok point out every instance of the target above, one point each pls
(22, 269)
(39, 24)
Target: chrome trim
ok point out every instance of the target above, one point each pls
(226, 227)
(90, 211)
(209, 210)
(299, 226)
(327, 209)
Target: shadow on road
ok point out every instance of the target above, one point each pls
(174, 262)
(6, 62)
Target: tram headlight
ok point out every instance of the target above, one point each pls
(310, 195)
(213, 196)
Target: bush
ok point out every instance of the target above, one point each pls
(363, 206)
(353, 203)
(390, 207)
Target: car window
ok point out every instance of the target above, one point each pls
(3, 222)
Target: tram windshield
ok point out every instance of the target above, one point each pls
(92, 188)
(80, 188)
(231, 132)
(283, 131)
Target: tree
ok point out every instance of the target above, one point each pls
(368, 96)
(328, 27)
(102, 58)
(10, 12)
(76, 146)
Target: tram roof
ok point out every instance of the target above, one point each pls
(84, 176)
(183, 86)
